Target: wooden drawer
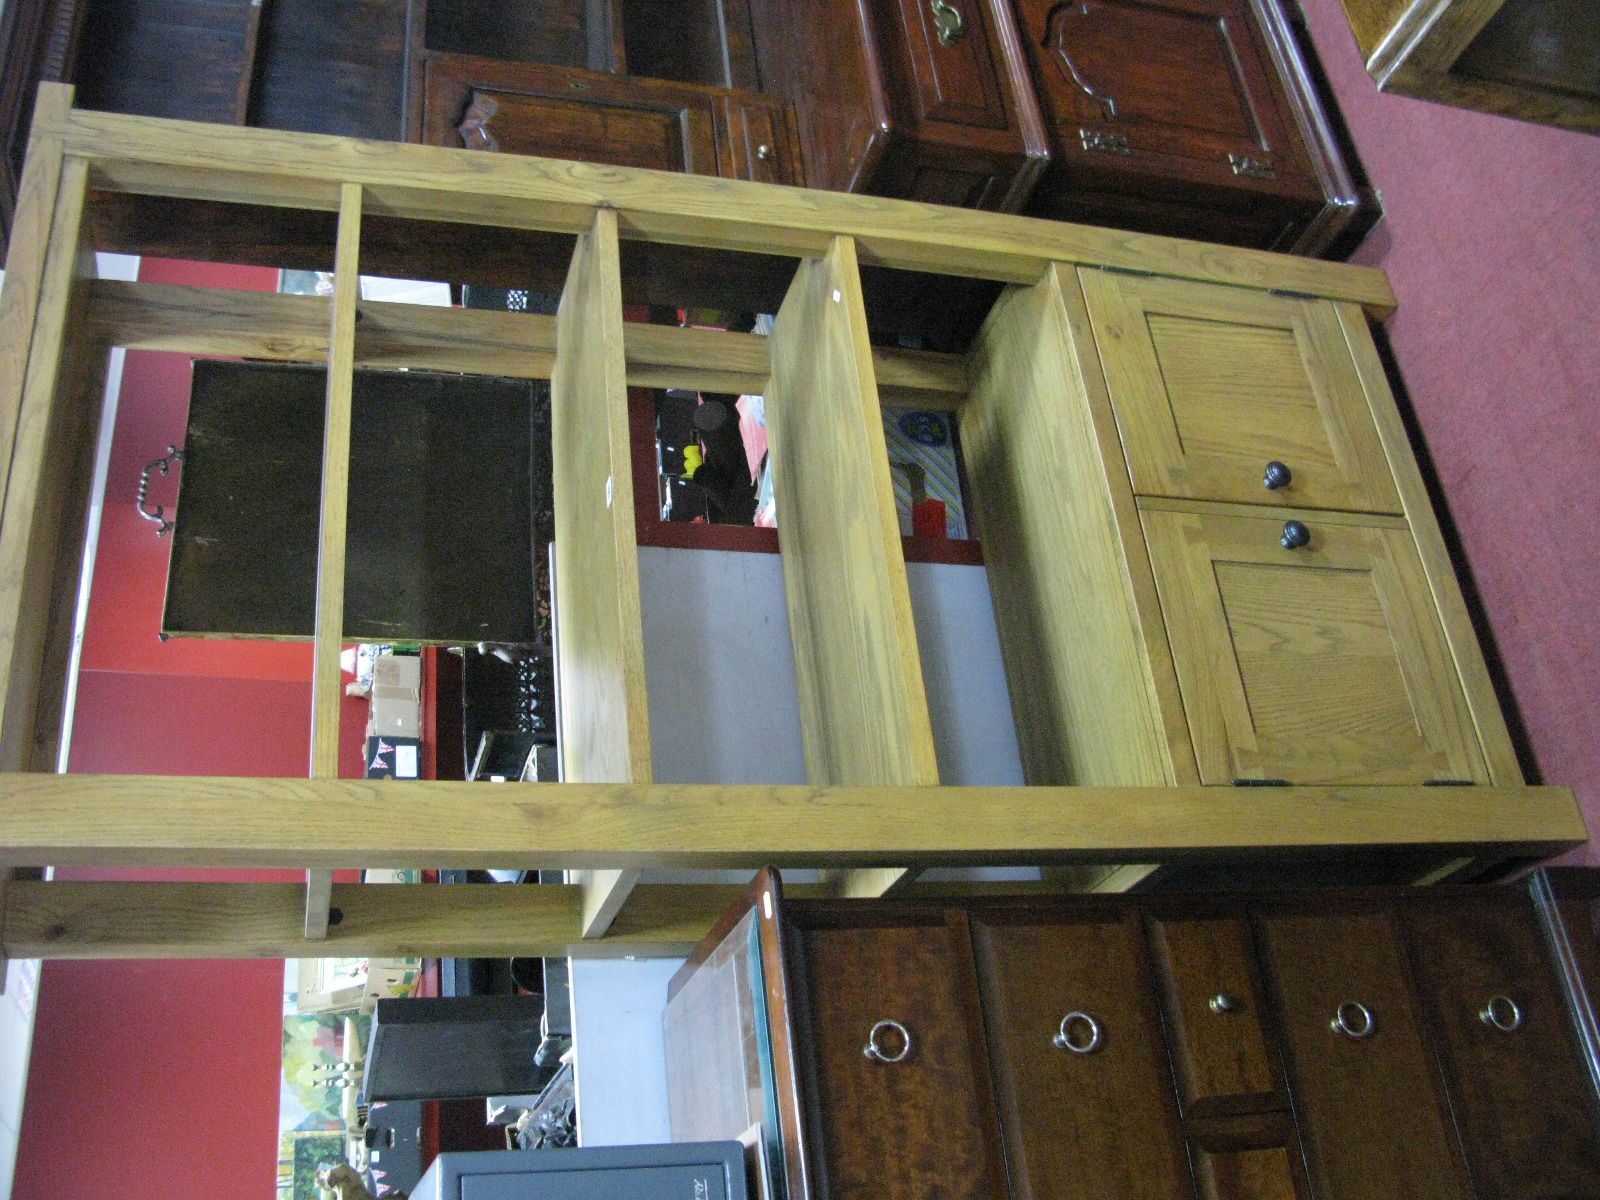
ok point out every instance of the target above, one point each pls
(923, 1125)
(760, 141)
(1250, 1158)
(1098, 1120)
(1322, 664)
(1211, 383)
(1516, 1087)
(1372, 1119)
(1214, 1014)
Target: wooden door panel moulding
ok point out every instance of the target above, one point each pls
(112, 820)
(186, 159)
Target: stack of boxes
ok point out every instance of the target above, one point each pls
(394, 746)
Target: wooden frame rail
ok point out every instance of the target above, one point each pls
(874, 812)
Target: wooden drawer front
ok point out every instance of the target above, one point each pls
(524, 108)
(921, 1127)
(1251, 1158)
(1179, 86)
(761, 142)
(1213, 1011)
(1079, 1125)
(1322, 664)
(1211, 383)
(958, 82)
(1524, 1107)
(1372, 1119)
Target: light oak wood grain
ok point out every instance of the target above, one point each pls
(181, 158)
(1487, 719)
(176, 821)
(1080, 626)
(327, 684)
(863, 711)
(600, 680)
(1211, 383)
(54, 430)
(1322, 664)
(282, 328)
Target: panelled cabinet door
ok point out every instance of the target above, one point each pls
(1180, 86)
(1525, 1108)
(557, 112)
(1325, 663)
(1086, 1097)
(1210, 384)
(900, 1086)
(1373, 1120)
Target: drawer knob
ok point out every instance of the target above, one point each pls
(1222, 1004)
(951, 24)
(1502, 1013)
(1295, 535)
(1277, 476)
(1079, 1033)
(881, 1042)
(764, 152)
(1354, 1020)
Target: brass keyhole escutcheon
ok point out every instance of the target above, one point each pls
(952, 25)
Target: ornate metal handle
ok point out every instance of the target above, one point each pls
(1502, 1013)
(1064, 1040)
(1295, 535)
(159, 516)
(1222, 1004)
(1353, 1019)
(952, 25)
(874, 1049)
(1277, 476)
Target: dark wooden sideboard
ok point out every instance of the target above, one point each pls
(1330, 1044)
(1198, 118)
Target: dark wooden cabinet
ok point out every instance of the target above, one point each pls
(1382, 1043)
(1197, 118)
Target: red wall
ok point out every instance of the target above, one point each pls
(161, 1079)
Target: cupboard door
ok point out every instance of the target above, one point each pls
(901, 1093)
(1211, 383)
(1524, 1106)
(1213, 1016)
(1321, 664)
(1372, 1118)
(556, 112)
(1179, 87)
(1086, 1098)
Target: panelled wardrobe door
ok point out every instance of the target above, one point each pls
(1373, 1118)
(1525, 1108)
(1225, 393)
(1313, 658)
(897, 1075)
(1086, 1097)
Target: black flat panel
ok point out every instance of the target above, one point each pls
(441, 518)
(437, 1049)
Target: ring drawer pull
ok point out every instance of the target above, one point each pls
(874, 1049)
(948, 20)
(1502, 1013)
(1354, 1020)
(1064, 1040)
(1222, 1004)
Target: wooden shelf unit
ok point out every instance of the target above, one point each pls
(1054, 495)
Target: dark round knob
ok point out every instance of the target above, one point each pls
(1295, 535)
(1278, 476)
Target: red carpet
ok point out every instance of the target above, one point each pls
(1492, 240)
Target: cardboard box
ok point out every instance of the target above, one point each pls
(397, 671)
(394, 717)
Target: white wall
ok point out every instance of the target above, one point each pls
(720, 670)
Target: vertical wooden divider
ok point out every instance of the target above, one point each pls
(326, 689)
(605, 716)
(863, 711)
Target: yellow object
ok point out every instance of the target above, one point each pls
(692, 460)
